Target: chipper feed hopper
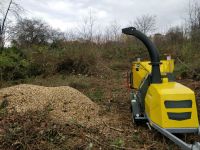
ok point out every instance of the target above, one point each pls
(156, 98)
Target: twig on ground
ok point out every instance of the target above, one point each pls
(126, 148)
(91, 138)
(114, 146)
(149, 146)
(120, 130)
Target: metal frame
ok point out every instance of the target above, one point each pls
(182, 130)
(179, 142)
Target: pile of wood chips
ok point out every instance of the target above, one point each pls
(65, 104)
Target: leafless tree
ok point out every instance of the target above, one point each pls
(86, 29)
(113, 31)
(175, 35)
(145, 23)
(70, 35)
(56, 35)
(28, 32)
(7, 10)
(32, 31)
(98, 35)
(193, 20)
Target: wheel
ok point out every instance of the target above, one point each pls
(134, 121)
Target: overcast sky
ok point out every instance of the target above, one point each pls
(67, 14)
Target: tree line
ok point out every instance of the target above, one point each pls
(34, 31)
(36, 48)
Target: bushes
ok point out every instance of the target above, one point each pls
(13, 65)
(117, 50)
(16, 64)
(41, 60)
(82, 58)
(78, 61)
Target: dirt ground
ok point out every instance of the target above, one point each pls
(117, 131)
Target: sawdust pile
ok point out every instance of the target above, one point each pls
(64, 103)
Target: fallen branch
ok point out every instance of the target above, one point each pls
(149, 146)
(126, 148)
(91, 138)
(116, 129)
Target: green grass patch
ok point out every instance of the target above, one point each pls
(96, 95)
(118, 142)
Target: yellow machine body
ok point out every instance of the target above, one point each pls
(169, 104)
(156, 98)
(175, 93)
(141, 69)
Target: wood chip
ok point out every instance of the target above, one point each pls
(64, 103)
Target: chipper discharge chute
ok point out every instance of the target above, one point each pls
(166, 105)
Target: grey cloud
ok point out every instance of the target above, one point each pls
(168, 12)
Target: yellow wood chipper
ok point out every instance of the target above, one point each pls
(157, 99)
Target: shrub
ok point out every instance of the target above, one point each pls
(13, 65)
(78, 60)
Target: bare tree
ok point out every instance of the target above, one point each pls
(113, 31)
(28, 32)
(145, 23)
(98, 35)
(193, 20)
(6, 9)
(175, 35)
(86, 30)
(70, 35)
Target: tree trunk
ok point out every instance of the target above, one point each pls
(1, 42)
(2, 30)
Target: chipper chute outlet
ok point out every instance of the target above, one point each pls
(156, 98)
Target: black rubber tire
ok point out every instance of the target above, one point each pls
(134, 121)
